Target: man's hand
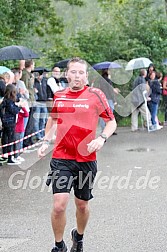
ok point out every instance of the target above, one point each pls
(96, 144)
(42, 149)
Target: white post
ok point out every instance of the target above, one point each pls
(145, 102)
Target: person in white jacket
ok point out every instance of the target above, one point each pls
(53, 83)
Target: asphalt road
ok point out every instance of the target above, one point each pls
(128, 212)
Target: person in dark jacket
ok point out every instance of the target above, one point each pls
(106, 86)
(41, 112)
(8, 112)
(156, 92)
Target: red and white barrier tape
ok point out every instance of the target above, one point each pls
(20, 140)
(21, 150)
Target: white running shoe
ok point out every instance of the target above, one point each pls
(159, 127)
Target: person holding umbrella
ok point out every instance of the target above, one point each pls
(21, 64)
(28, 79)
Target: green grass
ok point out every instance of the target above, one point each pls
(126, 121)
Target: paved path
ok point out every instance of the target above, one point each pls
(128, 212)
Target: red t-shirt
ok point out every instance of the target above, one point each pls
(77, 116)
(20, 121)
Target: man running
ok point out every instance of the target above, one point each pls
(74, 117)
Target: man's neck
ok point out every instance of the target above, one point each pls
(28, 69)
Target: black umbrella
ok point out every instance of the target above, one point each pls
(62, 63)
(40, 70)
(15, 52)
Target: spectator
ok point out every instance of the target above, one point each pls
(150, 69)
(53, 83)
(40, 116)
(21, 64)
(28, 79)
(20, 85)
(2, 93)
(138, 104)
(155, 98)
(164, 92)
(105, 84)
(9, 77)
(8, 113)
(19, 131)
(22, 91)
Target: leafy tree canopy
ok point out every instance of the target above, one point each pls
(23, 17)
(130, 29)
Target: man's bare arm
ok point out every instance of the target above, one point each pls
(50, 131)
(97, 144)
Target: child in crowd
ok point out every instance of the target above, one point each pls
(19, 131)
(8, 112)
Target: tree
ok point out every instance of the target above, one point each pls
(21, 18)
(166, 6)
(129, 30)
(34, 24)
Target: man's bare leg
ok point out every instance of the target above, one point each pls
(58, 215)
(82, 214)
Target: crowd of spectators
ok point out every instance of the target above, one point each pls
(149, 85)
(25, 98)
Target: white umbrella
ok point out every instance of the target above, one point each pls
(138, 63)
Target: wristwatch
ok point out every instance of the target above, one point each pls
(104, 136)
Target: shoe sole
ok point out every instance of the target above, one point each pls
(13, 163)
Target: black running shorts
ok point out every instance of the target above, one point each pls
(66, 174)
